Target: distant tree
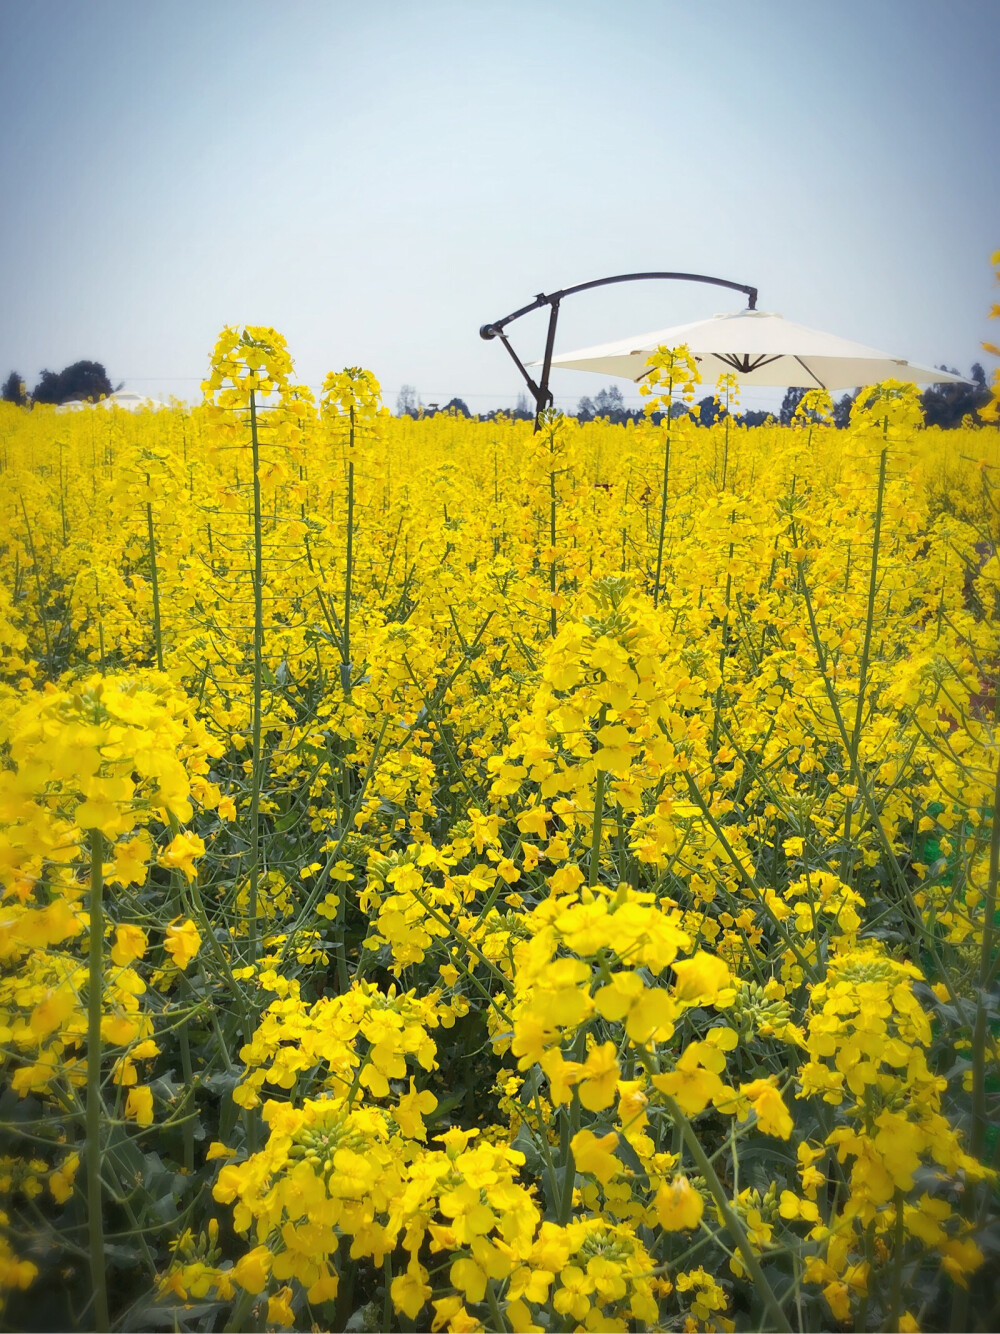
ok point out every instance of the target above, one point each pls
(658, 417)
(407, 401)
(792, 399)
(947, 404)
(585, 410)
(755, 417)
(708, 411)
(680, 409)
(610, 403)
(458, 406)
(842, 410)
(523, 411)
(47, 388)
(14, 390)
(84, 379)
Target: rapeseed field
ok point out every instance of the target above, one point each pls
(456, 877)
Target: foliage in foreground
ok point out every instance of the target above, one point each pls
(458, 878)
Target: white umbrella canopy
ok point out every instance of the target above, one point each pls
(759, 349)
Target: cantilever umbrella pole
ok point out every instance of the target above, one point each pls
(540, 391)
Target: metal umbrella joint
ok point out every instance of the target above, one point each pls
(541, 392)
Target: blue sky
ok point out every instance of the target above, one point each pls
(378, 181)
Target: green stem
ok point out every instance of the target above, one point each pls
(154, 582)
(505, 982)
(552, 536)
(594, 864)
(187, 1069)
(237, 1322)
(861, 1320)
(209, 936)
(542, 1138)
(258, 678)
(387, 1298)
(723, 644)
(980, 1042)
(38, 583)
(733, 1225)
(491, 1296)
(320, 882)
(570, 1125)
(846, 865)
(100, 620)
(905, 900)
(663, 507)
(898, 1242)
(62, 498)
(450, 756)
(980, 1122)
(95, 1107)
(345, 668)
(749, 881)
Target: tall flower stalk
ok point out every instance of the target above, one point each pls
(154, 579)
(672, 370)
(351, 400)
(246, 363)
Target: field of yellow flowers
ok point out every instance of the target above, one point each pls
(458, 878)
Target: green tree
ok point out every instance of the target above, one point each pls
(610, 403)
(708, 411)
(14, 390)
(842, 410)
(84, 379)
(947, 404)
(523, 411)
(792, 399)
(407, 401)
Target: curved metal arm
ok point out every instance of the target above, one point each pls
(540, 392)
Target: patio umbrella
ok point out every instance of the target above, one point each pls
(759, 349)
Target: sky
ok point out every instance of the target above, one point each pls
(378, 181)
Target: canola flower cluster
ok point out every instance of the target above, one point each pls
(464, 878)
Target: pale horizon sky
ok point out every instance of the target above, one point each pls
(378, 183)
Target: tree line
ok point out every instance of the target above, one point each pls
(943, 405)
(86, 380)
